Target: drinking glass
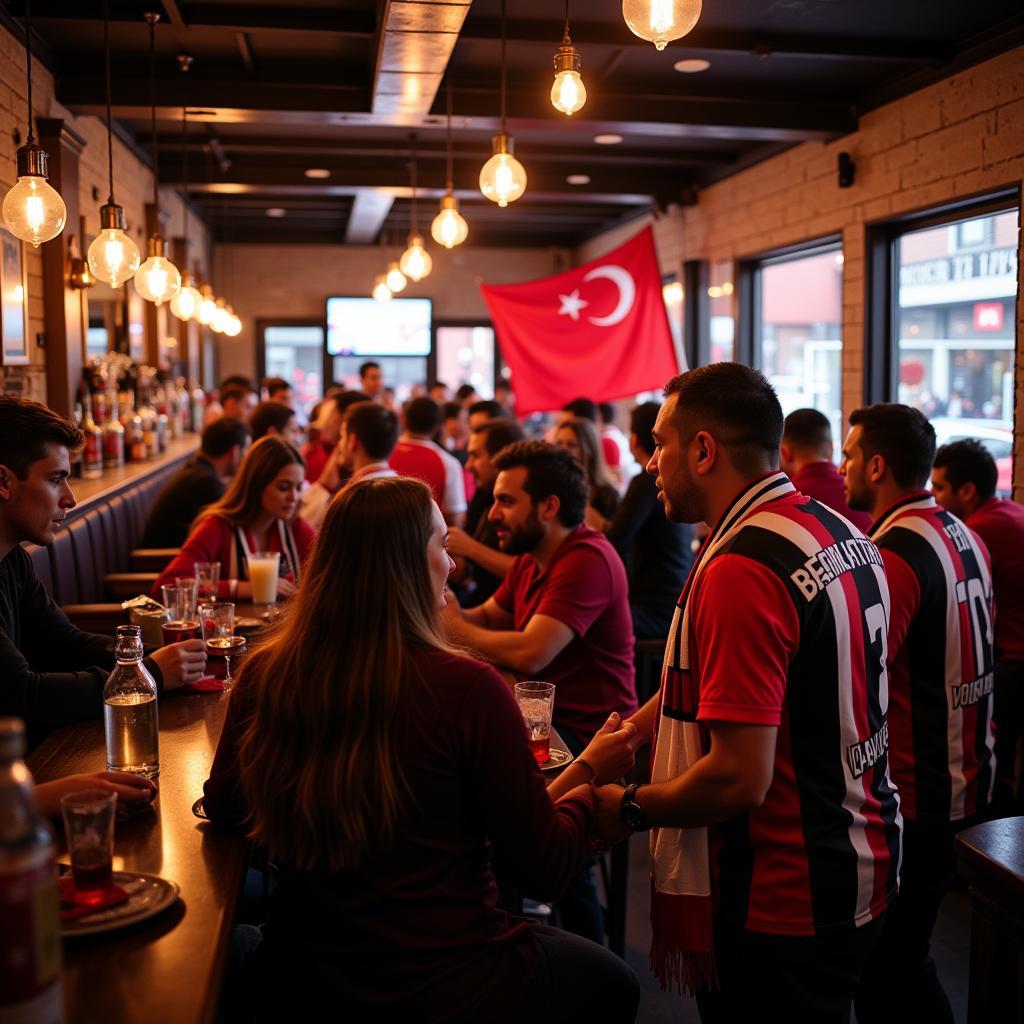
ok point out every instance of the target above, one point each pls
(536, 702)
(89, 827)
(264, 567)
(208, 580)
(218, 622)
(180, 602)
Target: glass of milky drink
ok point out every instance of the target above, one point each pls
(264, 567)
(536, 702)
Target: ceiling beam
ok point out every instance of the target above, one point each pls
(174, 15)
(369, 212)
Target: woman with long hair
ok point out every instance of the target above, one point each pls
(580, 438)
(382, 770)
(257, 513)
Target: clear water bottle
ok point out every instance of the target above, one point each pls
(129, 709)
(30, 988)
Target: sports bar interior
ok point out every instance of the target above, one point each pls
(371, 242)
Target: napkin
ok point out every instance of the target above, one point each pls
(208, 684)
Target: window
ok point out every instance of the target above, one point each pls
(722, 324)
(796, 319)
(296, 353)
(954, 324)
(465, 355)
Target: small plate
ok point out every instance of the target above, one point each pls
(148, 895)
(558, 759)
(248, 623)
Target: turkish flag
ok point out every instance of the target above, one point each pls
(599, 331)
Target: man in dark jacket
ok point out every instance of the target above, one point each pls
(198, 483)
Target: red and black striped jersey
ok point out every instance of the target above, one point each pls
(788, 627)
(941, 660)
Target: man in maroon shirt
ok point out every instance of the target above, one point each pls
(561, 613)
(806, 458)
(964, 482)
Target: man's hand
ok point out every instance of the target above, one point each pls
(130, 789)
(452, 610)
(608, 826)
(460, 544)
(610, 752)
(181, 663)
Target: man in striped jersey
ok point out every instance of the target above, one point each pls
(941, 665)
(775, 829)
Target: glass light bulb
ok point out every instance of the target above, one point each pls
(568, 93)
(381, 291)
(449, 227)
(157, 280)
(233, 326)
(185, 304)
(660, 21)
(113, 257)
(221, 318)
(394, 278)
(503, 177)
(207, 308)
(416, 262)
(34, 210)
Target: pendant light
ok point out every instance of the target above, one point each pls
(568, 94)
(158, 279)
(381, 292)
(415, 262)
(33, 209)
(207, 306)
(394, 278)
(449, 227)
(660, 21)
(503, 177)
(185, 304)
(113, 257)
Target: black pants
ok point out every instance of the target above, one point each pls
(899, 981)
(1008, 713)
(769, 978)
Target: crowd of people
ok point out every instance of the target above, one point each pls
(842, 689)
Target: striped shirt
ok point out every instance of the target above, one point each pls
(788, 629)
(941, 660)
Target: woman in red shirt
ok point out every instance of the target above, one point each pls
(383, 771)
(257, 513)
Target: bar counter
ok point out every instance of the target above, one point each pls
(92, 492)
(168, 968)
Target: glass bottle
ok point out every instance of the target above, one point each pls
(92, 454)
(130, 709)
(113, 444)
(30, 987)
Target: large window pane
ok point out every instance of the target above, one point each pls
(296, 353)
(955, 328)
(799, 344)
(465, 355)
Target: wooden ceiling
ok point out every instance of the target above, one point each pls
(350, 86)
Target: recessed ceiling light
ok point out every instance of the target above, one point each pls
(692, 66)
(275, 211)
(608, 139)
(578, 179)
(317, 172)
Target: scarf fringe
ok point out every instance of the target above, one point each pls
(687, 973)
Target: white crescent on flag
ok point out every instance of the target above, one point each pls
(622, 280)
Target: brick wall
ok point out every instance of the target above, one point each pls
(959, 137)
(274, 282)
(133, 186)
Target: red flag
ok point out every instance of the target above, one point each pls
(599, 331)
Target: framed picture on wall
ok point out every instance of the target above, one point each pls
(13, 301)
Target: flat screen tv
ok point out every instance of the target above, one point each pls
(365, 327)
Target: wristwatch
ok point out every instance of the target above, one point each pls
(631, 812)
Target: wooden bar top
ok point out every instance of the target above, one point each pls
(92, 491)
(991, 857)
(168, 968)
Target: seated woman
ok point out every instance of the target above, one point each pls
(256, 514)
(383, 772)
(579, 437)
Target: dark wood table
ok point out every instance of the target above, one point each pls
(168, 968)
(990, 857)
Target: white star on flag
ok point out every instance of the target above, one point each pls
(572, 304)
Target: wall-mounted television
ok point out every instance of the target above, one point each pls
(359, 326)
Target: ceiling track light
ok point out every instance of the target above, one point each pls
(113, 257)
(660, 21)
(158, 279)
(503, 177)
(449, 227)
(568, 93)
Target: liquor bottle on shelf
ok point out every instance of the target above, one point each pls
(92, 454)
(113, 443)
(198, 408)
(136, 439)
(30, 986)
(76, 455)
(130, 709)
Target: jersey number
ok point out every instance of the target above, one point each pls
(972, 593)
